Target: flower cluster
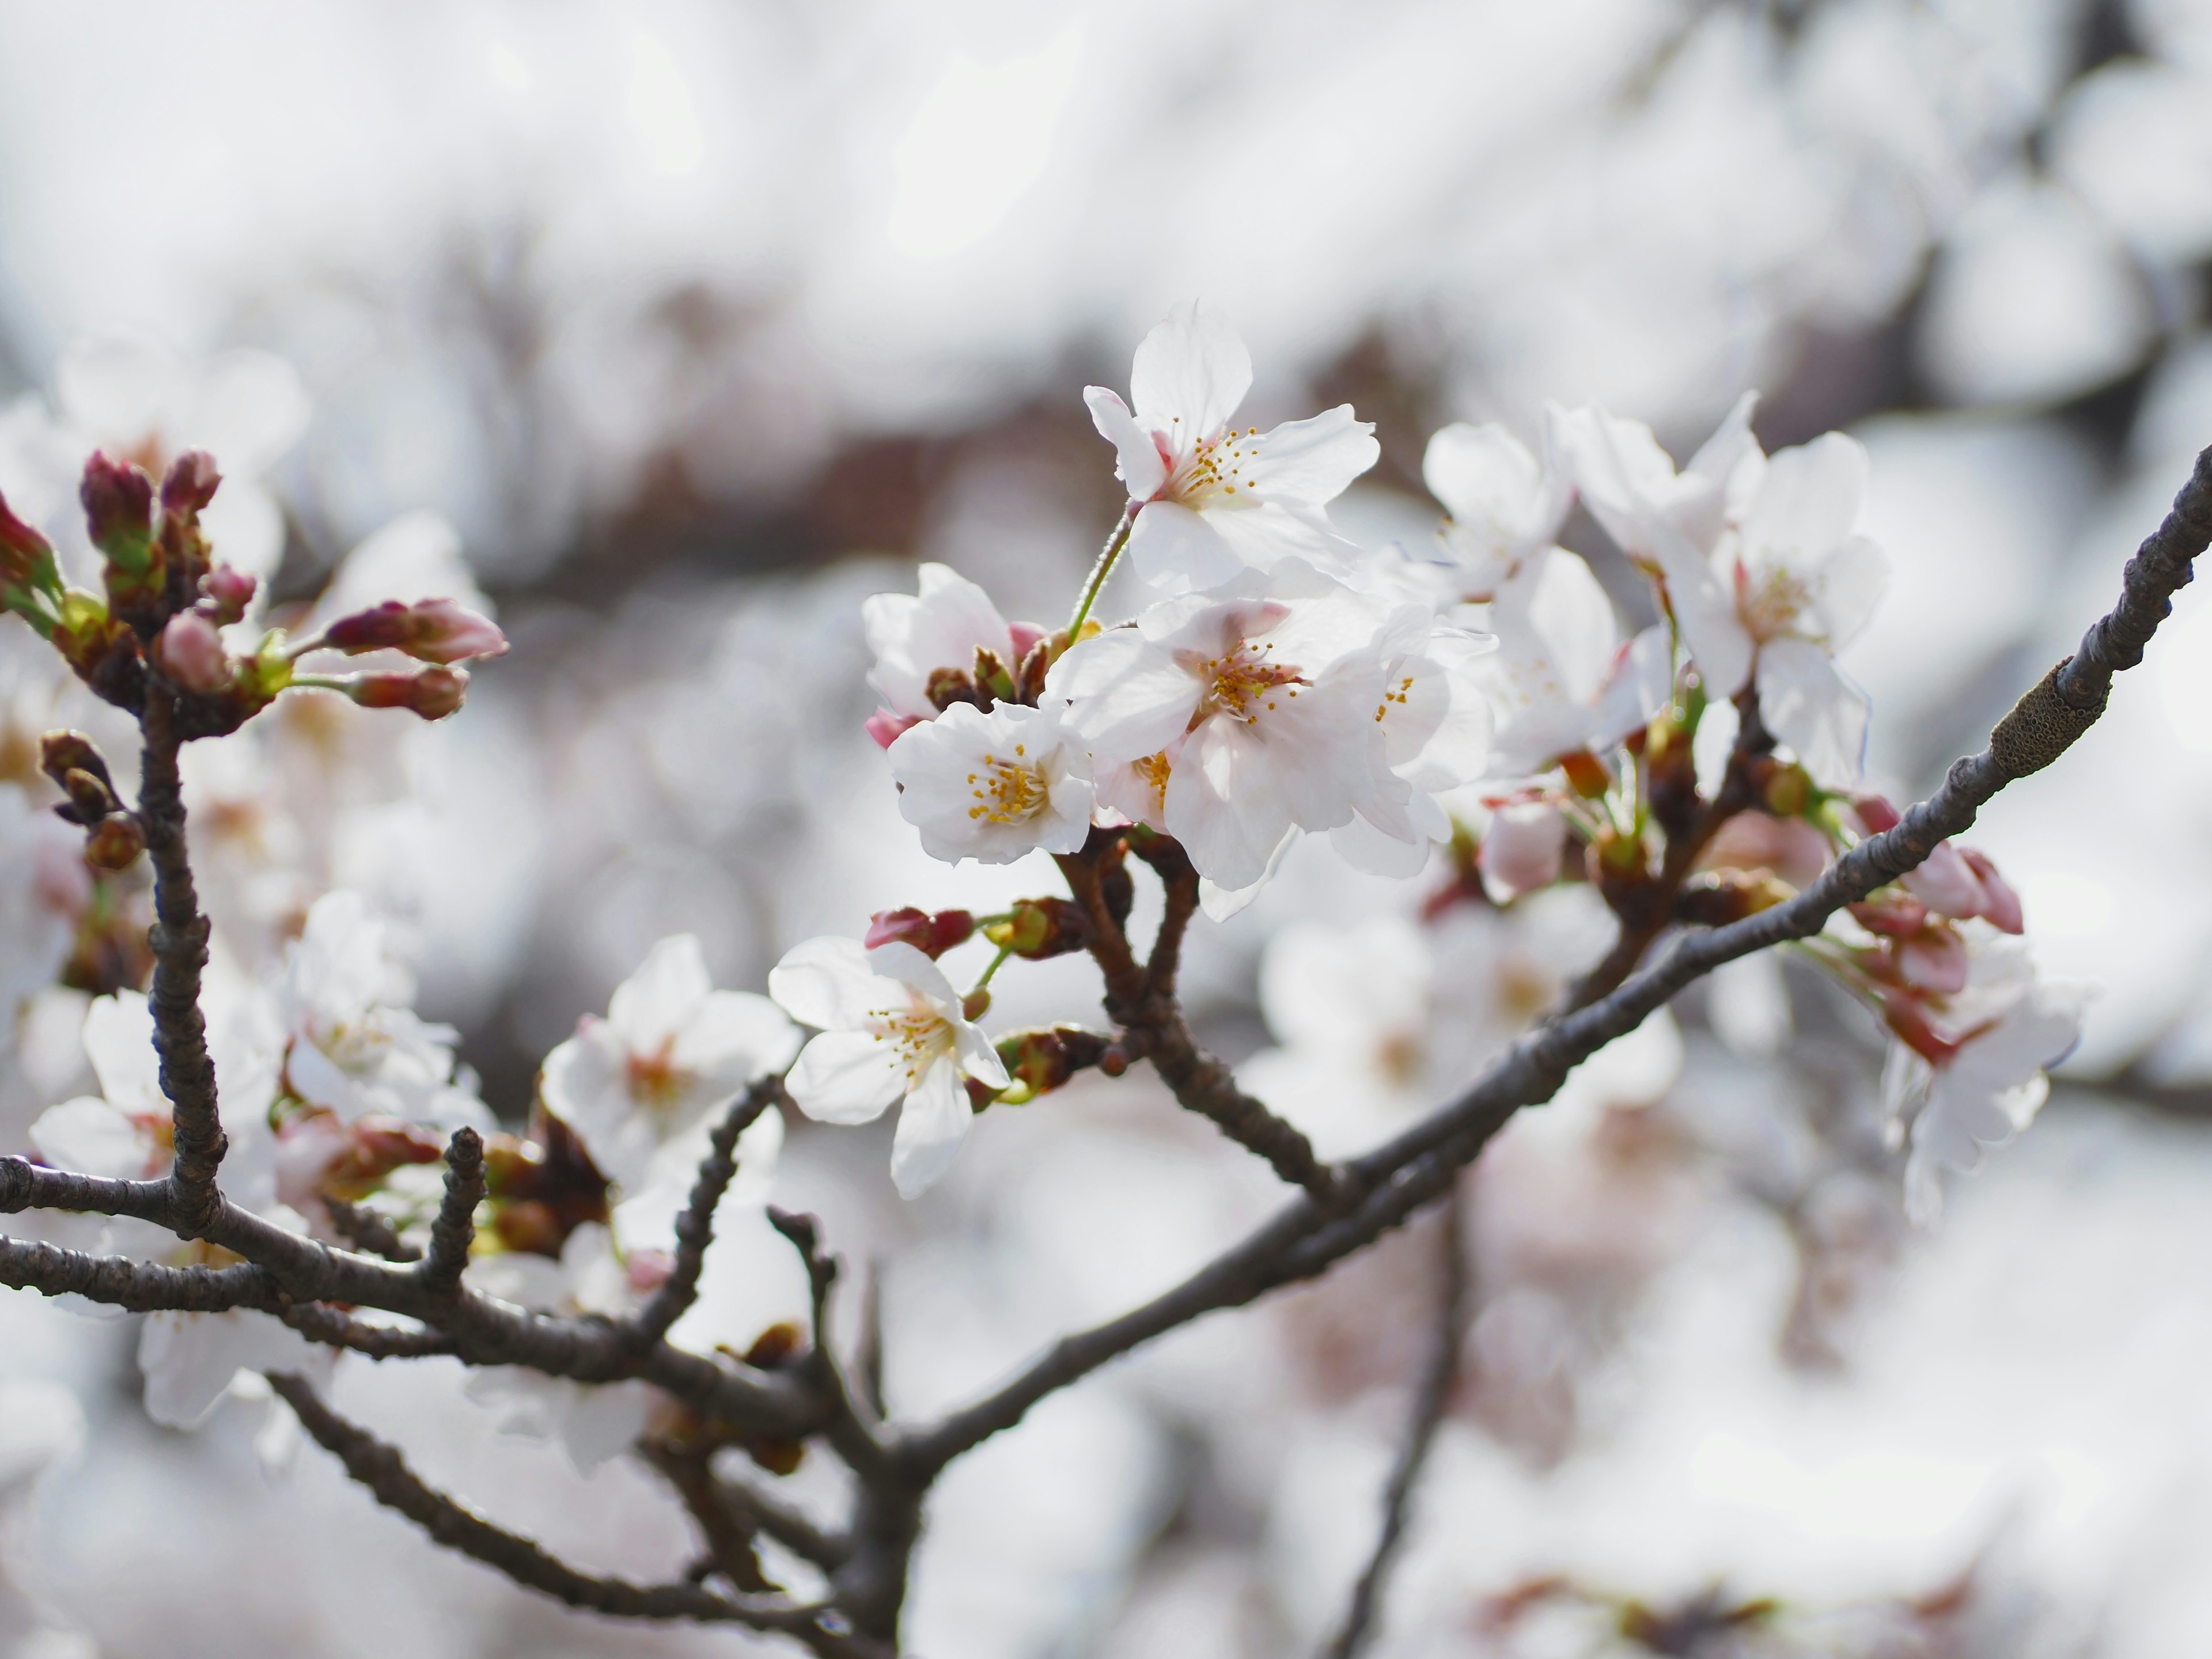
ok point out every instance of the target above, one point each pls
(1274, 679)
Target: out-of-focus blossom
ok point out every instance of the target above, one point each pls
(353, 1047)
(994, 787)
(671, 1051)
(891, 1028)
(1972, 1076)
(1521, 850)
(1209, 498)
(44, 886)
(191, 1360)
(1235, 715)
(1506, 504)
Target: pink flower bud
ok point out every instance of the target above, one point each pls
(190, 652)
(118, 509)
(2000, 904)
(442, 631)
(1945, 884)
(885, 728)
(1875, 813)
(1522, 851)
(229, 591)
(23, 549)
(191, 484)
(1025, 636)
(932, 935)
(432, 693)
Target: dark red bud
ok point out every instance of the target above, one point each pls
(116, 844)
(191, 484)
(229, 591)
(1041, 928)
(932, 935)
(118, 510)
(23, 549)
(434, 693)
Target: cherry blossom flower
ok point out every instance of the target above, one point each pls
(936, 631)
(994, 787)
(1211, 499)
(1506, 505)
(671, 1052)
(1562, 682)
(352, 1045)
(1521, 850)
(1971, 1075)
(891, 1028)
(192, 1361)
(1760, 564)
(1433, 720)
(1235, 715)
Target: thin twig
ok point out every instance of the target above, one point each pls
(694, 1227)
(365, 1229)
(140, 1287)
(381, 1469)
(455, 1229)
(320, 1323)
(1431, 1393)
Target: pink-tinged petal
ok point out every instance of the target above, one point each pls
(1523, 851)
(1808, 703)
(660, 999)
(1808, 501)
(846, 1076)
(190, 652)
(1313, 461)
(1169, 543)
(825, 982)
(1190, 373)
(2000, 904)
(1945, 884)
(1137, 462)
(1125, 698)
(1934, 960)
(932, 1127)
(886, 728)
(939, 626)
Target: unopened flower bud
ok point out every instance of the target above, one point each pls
(1523, 851)
(1042, 1060)
(976, 1003)
(932, 935)
(61, 753)
(118, 511)
(775, 1348)
(441, 631)
(90, 799)
(1875, 813)
(190, 652)
(2000, 904)
(1038, 928)
(228, 591)
(884, 728)
(26, 564)
(434, 693)
(191, 484)
(116, 843)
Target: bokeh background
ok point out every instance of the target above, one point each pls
(699, 322)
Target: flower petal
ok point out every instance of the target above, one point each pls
(846, 1076)
(1314, 460)
(1808, 703)
(1137, 462)
(1190, 373)
(661, 997)
(932, 1126)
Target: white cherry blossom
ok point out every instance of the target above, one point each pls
(1562, 681)
(191, 1361)
(994, 787)
(1210, 498)
(890, 1029)
(1760, 564)
(1433, 722)
(1995, 1040)
(1230, 718)
(671, 1052)
(914, 635)
(352, 1045)
(1506, 504)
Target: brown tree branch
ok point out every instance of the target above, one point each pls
(319, 1322)
(140, 1287)
(366, 1231)
(455, 1230)
(178, 938)
(694, 1227)
(1432, 1393)
(381, 1469)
